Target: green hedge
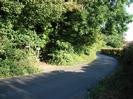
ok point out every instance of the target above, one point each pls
(118, 52)
(63, 30)
(127, 60)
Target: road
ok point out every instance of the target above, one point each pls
(59, 84)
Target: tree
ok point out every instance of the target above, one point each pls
(63, 26)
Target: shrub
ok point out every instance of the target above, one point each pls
(128, 54)
(62, 57)
(8, 68)
(64, 53)
(24, 37)
(118, 52)
(127, 60)
(14, 61)
(60, 28)
(115, 41)
(58, 53)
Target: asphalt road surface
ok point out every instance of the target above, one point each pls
(59, 84)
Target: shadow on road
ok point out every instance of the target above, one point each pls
(58, 84)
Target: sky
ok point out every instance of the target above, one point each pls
(129, 33)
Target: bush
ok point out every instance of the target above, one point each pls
(128, 54)
(60, 28)
(115, 41)
(8, 68)
(62, 57)
(127, 60)
(64, 53)
(60, 53)
(117, 52)
(71, 35)
(15, 62)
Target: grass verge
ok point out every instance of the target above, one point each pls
(13, 71)
(111, 87)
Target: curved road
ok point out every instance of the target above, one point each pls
(58, 84)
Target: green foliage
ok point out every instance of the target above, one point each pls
(115, 41)
(116, 52)
(127, 61)
(14, 61)
(128, 54)
(8, 68)
(10, 11)
(24, 37)
(62, 57)
(65, 31)
(37, 15)
(116, 24)
(59, 53)
(118, 85)
(66, 54)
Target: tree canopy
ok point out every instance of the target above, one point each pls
(63, 29)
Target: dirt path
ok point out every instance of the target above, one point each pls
(51, 68)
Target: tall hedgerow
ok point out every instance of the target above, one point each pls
(62, 29)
